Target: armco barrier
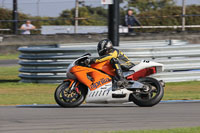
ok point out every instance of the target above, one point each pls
(48, 64)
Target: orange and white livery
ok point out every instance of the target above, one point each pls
(95, 84)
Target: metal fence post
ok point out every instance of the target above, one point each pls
(113, 24)
(76, 16)
(15, 17)
(183, 15)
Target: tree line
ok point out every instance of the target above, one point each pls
(149, 13)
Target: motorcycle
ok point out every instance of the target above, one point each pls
(95, 83)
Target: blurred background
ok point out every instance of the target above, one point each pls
(58, 17)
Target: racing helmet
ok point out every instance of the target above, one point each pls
(104, 47)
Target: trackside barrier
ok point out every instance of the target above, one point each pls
(48, 64)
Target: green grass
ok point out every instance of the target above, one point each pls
(9, 56)
(13, 92)
(182, 90)
(9, 73)
(175, 130)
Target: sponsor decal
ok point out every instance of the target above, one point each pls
(100, 83)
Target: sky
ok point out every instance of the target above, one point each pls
(53, 8)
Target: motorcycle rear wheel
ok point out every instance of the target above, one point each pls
(150, 98)
(65, 98)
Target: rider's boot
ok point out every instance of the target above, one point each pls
(121, 81)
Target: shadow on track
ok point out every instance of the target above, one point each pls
(82, 106)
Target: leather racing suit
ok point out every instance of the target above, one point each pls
(118, 60)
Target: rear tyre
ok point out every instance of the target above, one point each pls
(66, 98)
(149, 97)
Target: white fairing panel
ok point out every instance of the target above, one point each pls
(101, 94)
(147, 64)
(104, 95)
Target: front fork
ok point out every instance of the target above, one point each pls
(73, 85)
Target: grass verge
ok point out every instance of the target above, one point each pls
(9, 56)
(9, 73)
(13, 93)
(182, 91)
(175, 130)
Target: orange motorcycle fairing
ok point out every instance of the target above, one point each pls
(105, 67)
(90, 77)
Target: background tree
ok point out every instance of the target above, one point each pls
(149, 13)
(148, 5)
(90, 16)
(6, 14)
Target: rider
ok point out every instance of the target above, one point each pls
(118, 60)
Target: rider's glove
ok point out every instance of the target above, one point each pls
(92, 61)
(89, 61)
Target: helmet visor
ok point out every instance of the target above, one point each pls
(102, 52)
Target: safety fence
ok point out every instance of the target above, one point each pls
(48, 63)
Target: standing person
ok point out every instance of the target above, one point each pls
(130, 20)
(27, 27)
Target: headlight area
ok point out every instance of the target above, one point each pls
(68, 73)
(69, 67)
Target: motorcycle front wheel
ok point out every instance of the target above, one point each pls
(67, 98)
(151, 95)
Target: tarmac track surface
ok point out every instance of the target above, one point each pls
(97, 117)
(8, 62)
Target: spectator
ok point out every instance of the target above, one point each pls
(27, 27)
(130, 20)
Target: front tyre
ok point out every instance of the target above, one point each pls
(150, 95)
(66, 96)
